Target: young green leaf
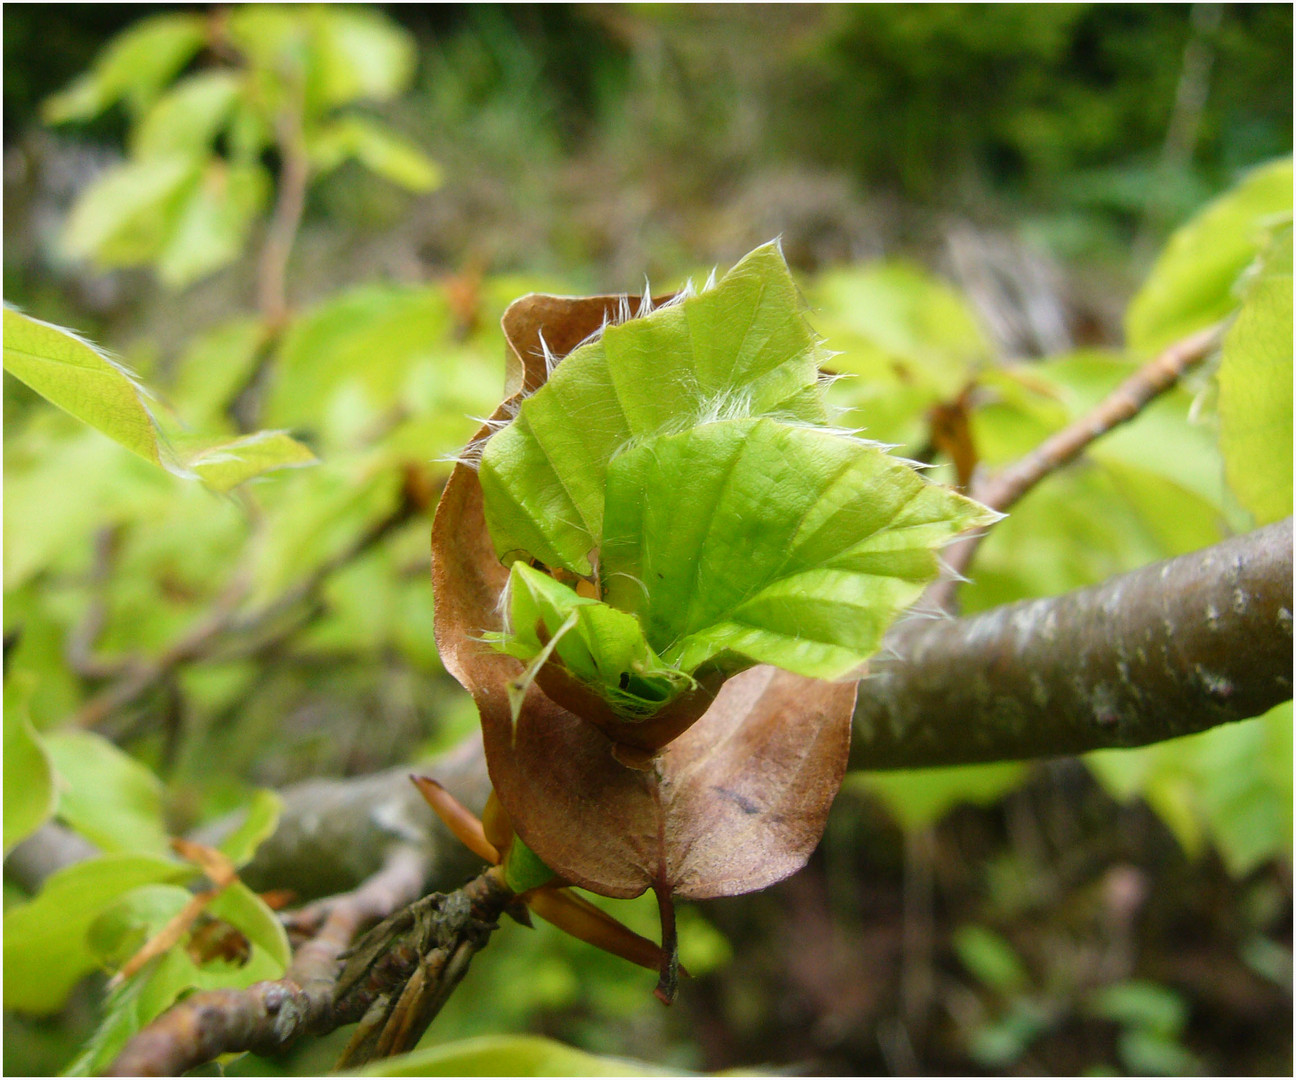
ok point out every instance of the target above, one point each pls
(738, 349)
(72, 374)
(603, 648)
(78, 378)
(107, 796)
(523, 869)
(135, 66)
(29, 799)
(785, 545)
(1192, 283)
(1255, 379)
(224, 465)
(45, 949)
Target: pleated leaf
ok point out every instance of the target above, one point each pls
(741, 348)
(785, 545)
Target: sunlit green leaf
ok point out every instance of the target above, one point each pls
(77, 377)
(1255, 379)
(1192, 283)
(127, 215)
(377, 148)
(225, 465)
(738, 349)
(786, 545)
(80, 379)
(29, 796)
(212, 224)
(186, 119)
(511, 1055)
(135, 66)
(106, 795)
(45, 950)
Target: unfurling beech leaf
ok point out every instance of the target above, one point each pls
(735, 804)
(739, 349)
(602, 647)
(679, 463)
(688, 447)
(787, 545)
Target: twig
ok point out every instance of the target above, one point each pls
(1010, 484)
(285, 220)
(268, 1016)
(440, 934)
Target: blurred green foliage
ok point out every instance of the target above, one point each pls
(301, 598)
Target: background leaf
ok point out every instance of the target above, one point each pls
(129, 213)
(378, 149)
(106, 795)
(28, 780)
(187, 118)
(211, 225)
(510, 1055)
(45, 949)
(1255, 379)
(135, 66)
(258, 824)
(1191, 285)
(919, 798)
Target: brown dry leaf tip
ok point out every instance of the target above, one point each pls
(734, 803)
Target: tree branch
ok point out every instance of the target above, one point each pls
(1168, 650)
(1010, 484)
(268, 1016)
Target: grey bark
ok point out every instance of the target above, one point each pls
(1168, 650)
